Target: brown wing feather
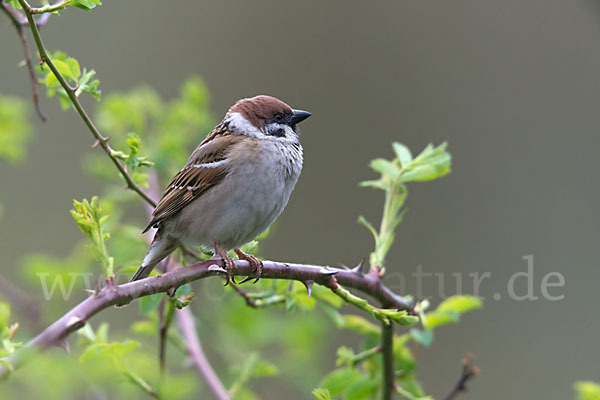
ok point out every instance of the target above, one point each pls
(191, 182)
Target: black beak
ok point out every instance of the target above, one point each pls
(299, 116)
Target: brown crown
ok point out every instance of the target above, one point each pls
(260, 110)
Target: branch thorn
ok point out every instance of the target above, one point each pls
(75, 323)
(65, 345)
(97, 142)
(308, 285)
(359, 268)
(216, 268)
(328, 271)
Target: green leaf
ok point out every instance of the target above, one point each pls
(450, 310)
(321, 394)
(15, 4)
(361, 389)
(264, 368)
(65, 70)
(432, 163)
(587, 390)
(337, 381)
(183, 290)
(4, 315)
(15, 128)
(403, 153)
(362, 220)
(147, 328)
(90, 218)
(437, 318)
(74, 67)
(87, 5)
(460, 304)
(359, 324)
(133, 141)
(250, 247)
(385, 167)
(88, 85)
(407, 320)
(140, 178)
(424, 337)
(69, 68)
(345, 355)
(378, 184)
(51, 81)
(324, 294)
(114, 351)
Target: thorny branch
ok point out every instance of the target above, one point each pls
(113, 294)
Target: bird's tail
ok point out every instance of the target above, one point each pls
(159, 249)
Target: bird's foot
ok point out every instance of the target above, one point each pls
(257, 265)
(228, 264)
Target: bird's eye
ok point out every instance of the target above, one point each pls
(278, 117)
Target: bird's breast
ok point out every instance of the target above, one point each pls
(246, 202)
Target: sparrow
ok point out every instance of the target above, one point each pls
(234, 185)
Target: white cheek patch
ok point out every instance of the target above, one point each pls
(240, 124)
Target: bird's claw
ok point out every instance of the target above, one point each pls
(228, 264)
(257, 265)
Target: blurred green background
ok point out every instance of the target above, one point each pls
(512, 86)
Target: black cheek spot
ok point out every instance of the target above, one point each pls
(278, 132)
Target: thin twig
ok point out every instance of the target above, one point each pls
(364, 355)
(49, 8)
(22, 301)
(469, 371)
(258, 300)
(14, 17)
(387, 350)
(250, 302)
(165, 317)
(162, 336)
(101, 140)
(185, 320)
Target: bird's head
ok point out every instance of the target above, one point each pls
(262, 116)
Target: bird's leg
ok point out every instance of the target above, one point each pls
(257, 265)
(228, 261)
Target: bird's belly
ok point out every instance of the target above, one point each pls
(236, 211)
